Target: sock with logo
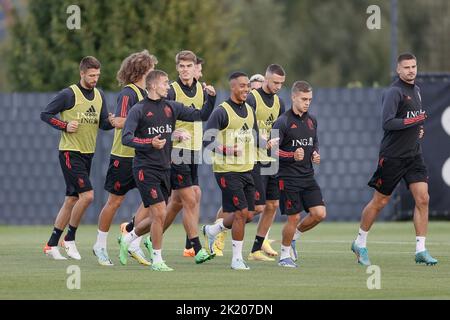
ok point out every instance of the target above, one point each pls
(257, 244)
(54, 238)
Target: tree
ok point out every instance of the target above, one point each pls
(44, 54)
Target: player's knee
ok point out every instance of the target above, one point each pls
(189, 202)
(320, 215)
(380, 203)
(422, 200)
(87, 197)
(294, 219)
(115, 202)
(71, 201)
(198, 193)
(250, 216)
(272, 206)
(259, 209)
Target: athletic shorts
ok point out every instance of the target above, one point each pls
(76, 167)
(238, 190)
(266, 186)
(299, 194)
(185, 174)
(391, 170)
(153, 185)
(119, 178)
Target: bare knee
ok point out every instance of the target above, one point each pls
(422, 200)
(319, 215)
(115, 201)
(259, 209)
(87, 197)
(71, 201)
(380, 202)
(294, 219)
(272, 205)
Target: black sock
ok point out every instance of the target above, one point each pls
(195, 243)
(188, 243)
(257, 244)
(54, 238)
(70, 236)
(130, 225)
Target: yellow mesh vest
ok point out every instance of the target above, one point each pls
(87, 113)
(194, 128)
(265, 116)
(238, 132)
(118, 149)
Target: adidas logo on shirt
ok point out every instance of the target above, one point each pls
(91, 110)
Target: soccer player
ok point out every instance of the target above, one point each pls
(400, 157)
(268, 107)
(256, 81)
(82, 109)
(299, 149)
(186, 193)
(148, 129)
(236, 131)
(119, 178)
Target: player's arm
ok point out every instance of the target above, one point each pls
(210, 101)
(128, 134)
(106, 119)
(282, 107)
(185, 113)
(391, 100)
(62, 101)
(284, 155)
(218, 121)
(251, 101)
(315, 158)
(124, 103)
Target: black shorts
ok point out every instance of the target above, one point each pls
(76, 168)
(299, 194)
(119, 178)
(185, 174)
(238, 190)
(391, 170)
(266, 186)
(153, 185)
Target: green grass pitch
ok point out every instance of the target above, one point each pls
(328, 269)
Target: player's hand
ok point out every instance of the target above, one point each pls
(315, 157)
(158, 143)
(272, 143)
(111, 118)
(72, 126)
(299, 154)
(119, 122)
(421, 132)
(237, 150)
(209, 90)
(180, 135)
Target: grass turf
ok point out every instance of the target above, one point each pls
(328, 269)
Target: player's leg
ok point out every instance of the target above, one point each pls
(291, 206)
(51, 248)
(272, 203)
(419, 191)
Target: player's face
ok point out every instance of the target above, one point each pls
(89, 78)
(301, 101)
(274, 82)
(240, 87)
(407, 70)
(162, 86)
(186, 70)
(198, 71)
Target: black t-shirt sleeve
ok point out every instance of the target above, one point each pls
(216, 122)
(104, 123)
(64, 100)
(126, 99)
(251, 101)
(316, 137)
(128, 133)
(185, 113)
(281, 125)
(282, 107)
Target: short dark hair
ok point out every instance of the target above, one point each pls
(153, 76)
(89, 62)
(406, 56)
(200, 60)
(301, 86)
(275, 69)
(237, 74)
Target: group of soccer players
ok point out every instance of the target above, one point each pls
(262, 157)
